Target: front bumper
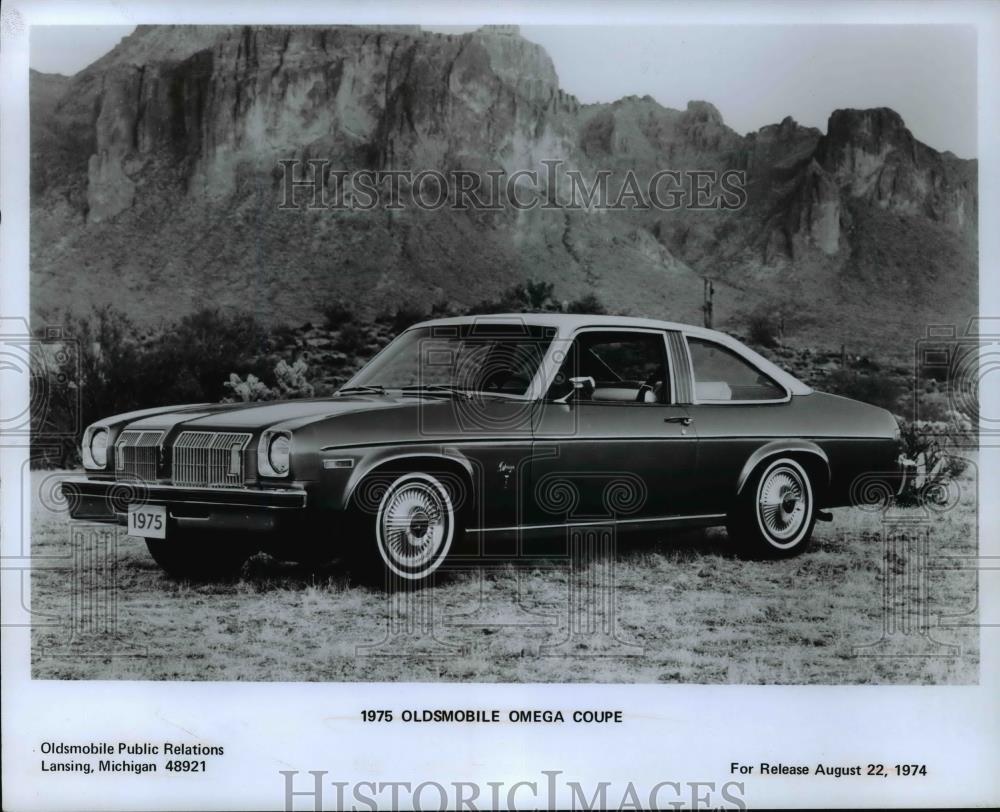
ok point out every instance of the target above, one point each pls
(98, 500)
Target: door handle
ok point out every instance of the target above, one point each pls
(684, 421)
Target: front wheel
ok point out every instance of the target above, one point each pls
(774, 515)
(201, 555)
(409, 536)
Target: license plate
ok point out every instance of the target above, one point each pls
(147, 521)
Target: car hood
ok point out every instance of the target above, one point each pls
(256, 416)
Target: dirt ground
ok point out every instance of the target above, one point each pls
(880, 598)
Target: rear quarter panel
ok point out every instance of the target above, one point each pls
(858, 439)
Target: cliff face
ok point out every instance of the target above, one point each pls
(364, 97)
(872, 155)
(156, 168)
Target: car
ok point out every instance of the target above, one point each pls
(488, 438)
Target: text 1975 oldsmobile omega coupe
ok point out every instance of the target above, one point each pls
(476, 438)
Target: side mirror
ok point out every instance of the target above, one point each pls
(583, 383)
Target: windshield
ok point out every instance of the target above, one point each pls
(481, 357)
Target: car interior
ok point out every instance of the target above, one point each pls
(625, 367)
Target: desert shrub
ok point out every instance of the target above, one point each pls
(99, 370)
(283, 335)
(353, 339)
(482, 306)
(876, 389)
(772, 322)
(290, 382)
(401, 318)
(111, 363)
(442, 309)
(588, 304)
(109, 367)
(762, 331)
(935, 406)
(531, 296)
(246, 390)
(932, 467)
(192, 359)
(537, 295)
(407, 316)
(336, 315)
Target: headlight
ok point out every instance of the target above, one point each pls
(273, 453)
(95, 448)
(277, 453)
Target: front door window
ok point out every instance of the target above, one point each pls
(626, 367)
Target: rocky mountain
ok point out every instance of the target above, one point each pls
(156, 187)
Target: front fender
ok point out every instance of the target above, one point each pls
(778, 447)
(340, 490)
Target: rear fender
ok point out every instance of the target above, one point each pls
(778, 448)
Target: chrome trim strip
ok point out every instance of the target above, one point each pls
(596, 523)
(543, 439)
(166, 501)
(161, 486)
(658, 438)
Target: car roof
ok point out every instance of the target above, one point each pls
(567, 323)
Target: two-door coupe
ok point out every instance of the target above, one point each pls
(490, 437)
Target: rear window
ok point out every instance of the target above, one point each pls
(721, 375)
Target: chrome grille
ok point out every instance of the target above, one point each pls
(210, 458)
(136, 454)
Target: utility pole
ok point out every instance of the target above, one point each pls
(709, 291)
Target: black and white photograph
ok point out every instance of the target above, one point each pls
(515, 371)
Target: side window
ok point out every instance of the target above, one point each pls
(721, 375)
(627, 367)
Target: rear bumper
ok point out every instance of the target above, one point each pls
(908, 471)
(262, 510)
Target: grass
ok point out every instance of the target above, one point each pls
(684, 609)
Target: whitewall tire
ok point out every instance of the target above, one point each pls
(776, 511)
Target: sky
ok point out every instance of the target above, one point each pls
(754, 75)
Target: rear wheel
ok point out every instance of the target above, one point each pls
(201, 555)
(774, 515)
(408, 537)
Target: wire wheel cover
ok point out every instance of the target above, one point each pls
(783, 503)
(414, 523)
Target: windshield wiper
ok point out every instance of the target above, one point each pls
(372, 390)
(438, 389)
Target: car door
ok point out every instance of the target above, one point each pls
(622, 450)
(492, 428)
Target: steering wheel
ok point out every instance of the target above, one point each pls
(502, 378)
(649, 385)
